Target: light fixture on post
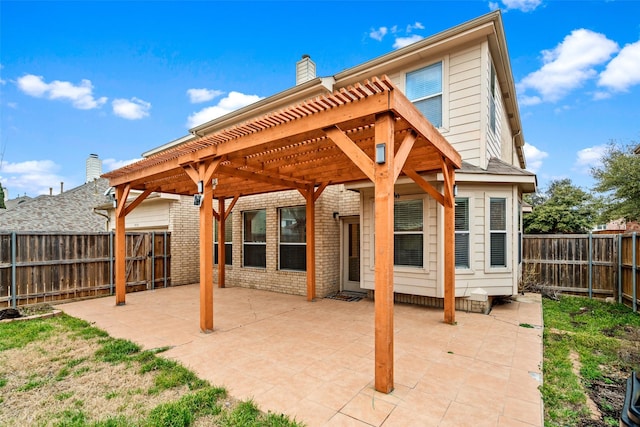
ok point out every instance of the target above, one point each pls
(380, 153)
(455, 190)
(214, 183)
(200, 187)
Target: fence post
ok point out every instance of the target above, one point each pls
(164, 261)
(635, 273)
(153, 260)
(14, 300)
(111, 263)
(619, 268)
(590, 265)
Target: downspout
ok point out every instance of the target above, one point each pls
(106, 216)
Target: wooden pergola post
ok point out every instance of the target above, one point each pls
(206, 257)
(449, 244)
(310, 229)
(384, 184)
(122, 192)
(222, 216)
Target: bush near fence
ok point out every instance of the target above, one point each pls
(594, 265)
(38, 267)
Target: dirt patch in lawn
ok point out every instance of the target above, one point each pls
(608, 394)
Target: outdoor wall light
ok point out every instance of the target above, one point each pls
(380, 153)
(200, 187)
(214, 183)
(455, 190)
(335, 215)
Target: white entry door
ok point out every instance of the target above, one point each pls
(351, 254)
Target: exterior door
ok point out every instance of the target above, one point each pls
(351, 254)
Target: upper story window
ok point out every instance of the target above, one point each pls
(293, 238)
(424, 89)
(228, 239)
(408, 230)
(254, 232)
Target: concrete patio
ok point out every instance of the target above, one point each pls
(314, 360)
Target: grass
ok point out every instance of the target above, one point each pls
(589, 334)
(61, 371)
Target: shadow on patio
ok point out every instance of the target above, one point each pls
(314, 361)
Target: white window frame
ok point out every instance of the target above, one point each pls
(425, 231)
(245, 243)
(508, 232)
(444, 126)
(467, 232)
(303, 244)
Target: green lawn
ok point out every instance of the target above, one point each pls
(590, 348)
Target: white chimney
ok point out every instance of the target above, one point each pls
(94, 167)
(305, 70)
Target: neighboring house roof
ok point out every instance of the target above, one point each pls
(497, 171)
(12, 203)
(68, 211)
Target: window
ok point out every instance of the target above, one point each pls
(498, 232)
(462, 232)
(228, 238)
(254, 238)
(408, 233)
(293, 238)
(424, 89)
(492, 99)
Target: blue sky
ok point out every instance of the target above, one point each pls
(120, 78)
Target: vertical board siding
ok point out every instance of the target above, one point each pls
(562, 262)
(58, 266)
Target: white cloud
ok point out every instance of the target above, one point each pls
(81, 96)
(493, 6)
(534, 157)
(378, 34)
(32, 177)
(202, 95)
(131, 109)
(112, 164)
(588, 158)
(521, 5)
(406, 41)
(416, 26)
(624, 70)
(569, 64)
(529, 100)
(231, 102)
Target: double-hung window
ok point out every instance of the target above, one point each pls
(228, 238)
(424, 89)
(462, 232)
(498, 232)
(408, 230)
(293, 238)
(254, 238)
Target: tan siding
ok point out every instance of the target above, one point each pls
(153, 214)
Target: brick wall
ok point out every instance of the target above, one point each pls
(333, 199)
(184, 227)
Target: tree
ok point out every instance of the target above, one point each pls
(618, 180)
(562, 208)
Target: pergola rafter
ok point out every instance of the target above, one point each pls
(330, 139)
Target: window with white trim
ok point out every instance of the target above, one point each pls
(424, 89)
(408, 233)
(293, 238)
(498, 232)
(254, 238)
(228, 238)
(462, 232)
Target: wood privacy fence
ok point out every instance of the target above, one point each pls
(44, 267)
(600, 265)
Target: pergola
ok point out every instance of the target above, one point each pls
(367, 131)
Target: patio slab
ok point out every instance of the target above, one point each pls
(314, 361)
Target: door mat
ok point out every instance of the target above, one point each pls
(347, 296)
